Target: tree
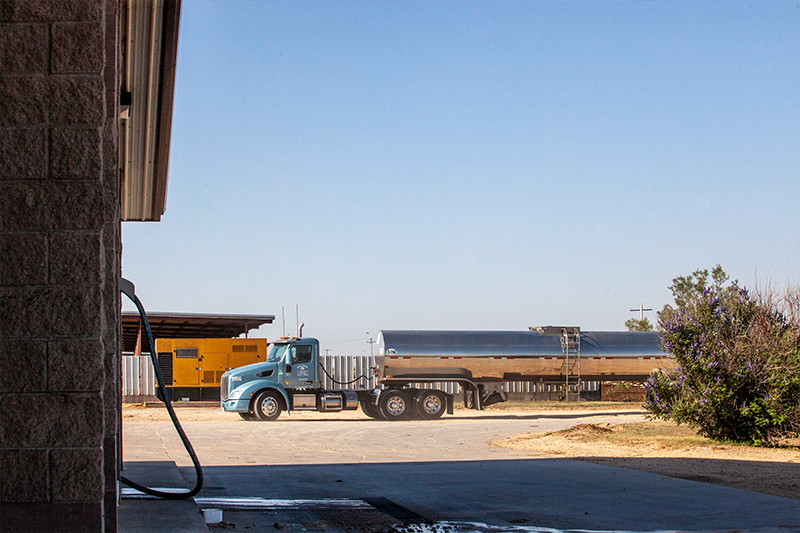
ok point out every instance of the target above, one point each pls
(738, 361)
(687, 291)
(635, 324)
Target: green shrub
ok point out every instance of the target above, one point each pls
(738, 375)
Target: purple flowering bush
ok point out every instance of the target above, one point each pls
(738, 359)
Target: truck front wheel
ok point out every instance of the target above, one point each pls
(430, 404)
(267, 406)
(394, 405)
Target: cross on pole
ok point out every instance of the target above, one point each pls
(641, 311)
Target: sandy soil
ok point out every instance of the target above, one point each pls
(671, 450)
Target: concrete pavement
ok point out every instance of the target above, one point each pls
(138, 515)
(444, 472)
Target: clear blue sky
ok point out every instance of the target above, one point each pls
(472, 165)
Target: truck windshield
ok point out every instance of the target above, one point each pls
(276, 353)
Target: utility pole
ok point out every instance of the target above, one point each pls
(370, 342)
(641, 311)
(327, 350)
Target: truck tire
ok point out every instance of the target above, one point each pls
(370, 409)
(394, 405)
(267, 406)
(430, 404)
(248, 416)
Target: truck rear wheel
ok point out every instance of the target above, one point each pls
(430, 404)
(394, 405)
(267, 406)
(370, 409)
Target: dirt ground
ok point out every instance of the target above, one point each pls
(657, 447)
(675, 451)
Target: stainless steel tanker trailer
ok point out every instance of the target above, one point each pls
(409, 362)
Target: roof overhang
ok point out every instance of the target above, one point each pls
(187, 326)
(149, 50)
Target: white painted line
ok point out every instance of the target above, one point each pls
(263, 504)
(479, 527)
(131, 493)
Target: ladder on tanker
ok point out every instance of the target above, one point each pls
(571, 349)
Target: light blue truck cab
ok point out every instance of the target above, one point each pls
(289, 380)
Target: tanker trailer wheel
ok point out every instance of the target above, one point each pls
(267, 406)
(430, 404)
(394, 405)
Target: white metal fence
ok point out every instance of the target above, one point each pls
(138, 378)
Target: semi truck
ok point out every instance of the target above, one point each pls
(408, 363)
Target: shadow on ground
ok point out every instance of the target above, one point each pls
(556, 493)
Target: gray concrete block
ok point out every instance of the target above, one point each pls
(110, 324)
(77, 48)
(76, 475)
(77, 100)
(76, 205)
(112, 386)
(23, 48)
(110, 253)
(75, 258)
(52, 517)
(24, 259)
(23, 100)
(76, 153)
(112, 421)
(23, 312)
(51, 420)
(24, 153)
(23, 475)
(75, 365)
(49, 10)
(23, 366)
(43, 312)
(74, 311)
(24, 206)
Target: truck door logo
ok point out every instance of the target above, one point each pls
(302, 371)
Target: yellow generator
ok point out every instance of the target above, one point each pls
(192, 368)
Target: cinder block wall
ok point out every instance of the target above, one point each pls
(59, 265)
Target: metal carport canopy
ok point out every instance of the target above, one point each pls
(187, 326)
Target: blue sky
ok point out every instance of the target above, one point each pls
(472, 165)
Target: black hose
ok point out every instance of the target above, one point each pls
(188, 445)
(364, 376)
